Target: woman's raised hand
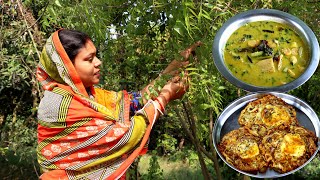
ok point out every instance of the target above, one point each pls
(177, 86)
(176, 66)
(190, 50)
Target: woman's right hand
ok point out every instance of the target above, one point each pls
(175, 89)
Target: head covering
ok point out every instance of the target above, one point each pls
(56, 67)
(80, 137)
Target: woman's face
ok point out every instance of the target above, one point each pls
(87, 64)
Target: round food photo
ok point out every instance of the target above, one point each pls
(267, 135)
(266, 50)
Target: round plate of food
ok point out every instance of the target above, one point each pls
(267, 134)
(266, 50)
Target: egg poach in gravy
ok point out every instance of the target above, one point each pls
(266, 53)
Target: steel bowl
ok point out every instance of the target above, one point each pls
(241, 19)
(228, 121)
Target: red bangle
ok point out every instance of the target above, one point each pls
(161, 106)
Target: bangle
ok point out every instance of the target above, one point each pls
(161, 106)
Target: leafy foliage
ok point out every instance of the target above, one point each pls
(17, 61)
(154, 170)
(18, 150)
(311, 171)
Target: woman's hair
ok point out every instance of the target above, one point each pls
(72, 41)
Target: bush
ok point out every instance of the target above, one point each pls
(18, 150)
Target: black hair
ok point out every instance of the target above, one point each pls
(72, 41)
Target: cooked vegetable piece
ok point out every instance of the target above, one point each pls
(253, 43)
(294, 51)
(294, 45)
(293, 60)
(286, 51)
(255, 54)
(280, 62)
(291, 73)
(272, 44)
(300, 51)
(266, 65)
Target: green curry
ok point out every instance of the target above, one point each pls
(266, 53)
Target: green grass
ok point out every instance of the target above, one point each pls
(178, 169)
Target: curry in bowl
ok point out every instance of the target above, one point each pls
(266, 53)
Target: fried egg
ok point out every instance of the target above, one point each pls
(289, 148)
(241, 149)
(269, 112)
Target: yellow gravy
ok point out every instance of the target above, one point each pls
(266, 53)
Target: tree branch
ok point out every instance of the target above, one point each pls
(29, 32)
(190, 117)
(192, 138)
(215, 159)
(35, 86)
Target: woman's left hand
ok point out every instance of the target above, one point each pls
(175, 88)
(175, 67)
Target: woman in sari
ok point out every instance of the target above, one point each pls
(86, 132)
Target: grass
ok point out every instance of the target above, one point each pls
(172, 169)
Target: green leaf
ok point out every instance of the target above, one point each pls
(205, 106)
(192, 69)
(193, 73)
(192, 11)
(206, 15)
(93, 19)
(178, 30)
(208, 5)
(57, 3)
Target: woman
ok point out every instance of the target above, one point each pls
(86, 132)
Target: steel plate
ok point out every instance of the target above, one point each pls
(228, 121)
(239, 20)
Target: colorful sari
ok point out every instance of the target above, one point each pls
(83, 135)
